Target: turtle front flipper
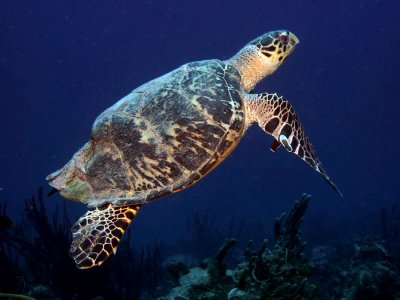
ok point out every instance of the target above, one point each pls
(277, 117)
(98, 232)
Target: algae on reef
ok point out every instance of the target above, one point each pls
(284, 272)
(278, 274)
(39, 265)
(35, 262)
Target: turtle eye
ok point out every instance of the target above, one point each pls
(284, 39)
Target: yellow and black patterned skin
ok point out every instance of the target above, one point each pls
(161, 138)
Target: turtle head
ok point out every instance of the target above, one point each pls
(71, 180)
(275, 46)
(262, 56)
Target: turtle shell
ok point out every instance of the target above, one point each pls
(161, 138)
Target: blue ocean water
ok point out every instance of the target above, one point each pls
(62, 63)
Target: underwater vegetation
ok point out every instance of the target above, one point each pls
(280, 273)
(35, 262)
(368, 271)
(205, 235)
(390, 224)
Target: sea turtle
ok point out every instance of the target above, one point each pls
(168, 134)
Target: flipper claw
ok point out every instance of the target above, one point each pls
(52, 192)
(275, 145)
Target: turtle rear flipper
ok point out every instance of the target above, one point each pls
(98, 232)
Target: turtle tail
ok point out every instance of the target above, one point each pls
(98, 232)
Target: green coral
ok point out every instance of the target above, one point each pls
(278, 274)
(373, 274)
(368, 274)
(209, 281)
(281, 273)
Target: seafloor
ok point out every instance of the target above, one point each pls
(35, 263)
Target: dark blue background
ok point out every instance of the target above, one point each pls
(63, 62)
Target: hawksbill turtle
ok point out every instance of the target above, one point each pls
(168, 134)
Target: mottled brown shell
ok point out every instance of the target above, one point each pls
(161, 138)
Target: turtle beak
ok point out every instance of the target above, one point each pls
(293, 40)
(52, 192)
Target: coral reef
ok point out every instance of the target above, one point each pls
(35, 263)
(201, 227)
(281, 273)
(208, 281)
(284, 272)
(278, 274)
(205, 234)
(38, 248)
(390, 226)
(369, 273)
(10, 273)
(372, 275)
